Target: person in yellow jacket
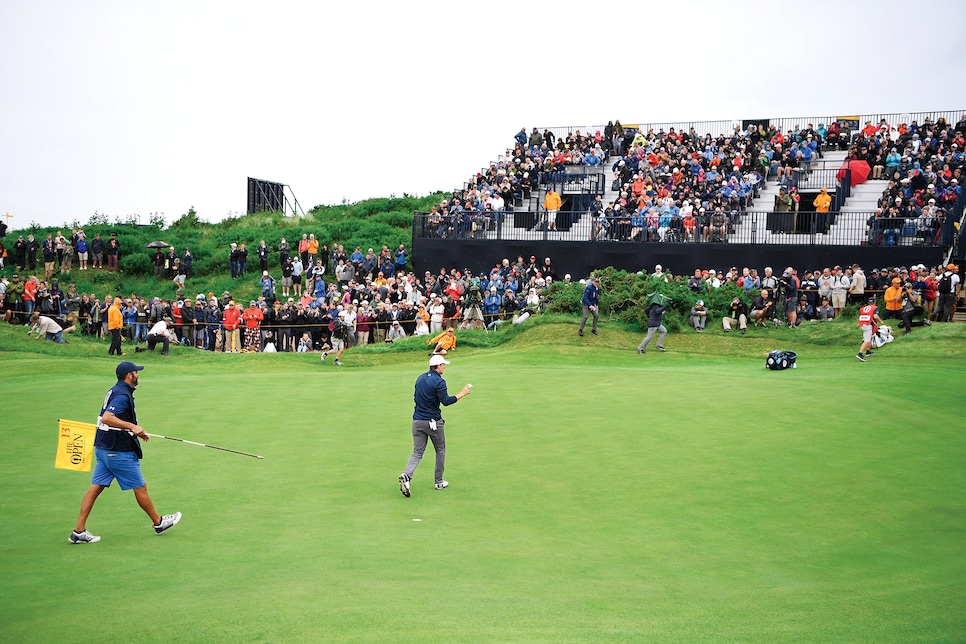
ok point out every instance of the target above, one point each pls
(115, 322)
(552, 203)
(445, 341)
(822, 201)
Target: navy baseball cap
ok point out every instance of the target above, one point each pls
(125, 368)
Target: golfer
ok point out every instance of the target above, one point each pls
(428, 422)
(118, 455)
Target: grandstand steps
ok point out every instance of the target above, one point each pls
(865, 196)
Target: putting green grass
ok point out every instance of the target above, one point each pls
(595, 495)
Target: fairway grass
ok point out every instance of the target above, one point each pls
(596, 495)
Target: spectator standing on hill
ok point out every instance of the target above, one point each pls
(113, 252)
(313, 248)
(303, 250)
(32, 248)
(49, 255)
(97, 251)
(283, 253)
(430, 392)
(242, 259)
(262, 252)
(590, 303)
(267, 284)
(67, 261)
(187, 262)
(401, 259)
(82, 251)
(170, 263)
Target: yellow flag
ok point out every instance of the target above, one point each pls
(75, 446)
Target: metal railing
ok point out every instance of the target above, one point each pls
(743, 227)
(727, 126)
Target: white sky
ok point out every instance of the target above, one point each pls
(130, 107)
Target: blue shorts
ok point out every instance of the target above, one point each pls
(123, 466)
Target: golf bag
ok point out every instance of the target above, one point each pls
(780, 359)
(882, 336)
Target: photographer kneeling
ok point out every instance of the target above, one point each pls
(912, 307)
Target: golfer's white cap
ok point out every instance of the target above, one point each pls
(437, 360)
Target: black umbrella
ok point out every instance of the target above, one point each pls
(158, 244)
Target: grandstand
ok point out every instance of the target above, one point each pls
(711, 193)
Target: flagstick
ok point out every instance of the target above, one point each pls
(224, 449)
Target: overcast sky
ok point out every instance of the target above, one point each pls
(128, 107)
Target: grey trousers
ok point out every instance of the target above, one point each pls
(651, 330)
(587, 314)
(421, 434)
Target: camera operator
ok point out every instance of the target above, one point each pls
(788, 287)
(912, 307)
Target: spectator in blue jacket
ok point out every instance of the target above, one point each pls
(590, 301)
(492, 303)
(402, 257)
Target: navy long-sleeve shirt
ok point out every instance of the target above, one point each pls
(429, 395)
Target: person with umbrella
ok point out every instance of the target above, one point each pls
(656, 306)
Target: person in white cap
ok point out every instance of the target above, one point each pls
(430, 393)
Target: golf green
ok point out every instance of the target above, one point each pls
(595, 495)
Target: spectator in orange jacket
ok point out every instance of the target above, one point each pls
(115, 322)
(893, 300)
(552, 204)
(232, 322)
(445, 341)
(822, 201)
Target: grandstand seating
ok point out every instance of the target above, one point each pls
(659, 148)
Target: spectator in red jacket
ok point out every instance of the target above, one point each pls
(253, 317)
(232, 322)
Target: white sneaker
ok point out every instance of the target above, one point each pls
(167, 521)
(324, 353)
(404, 485)
(82, 537)
(442, 485)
